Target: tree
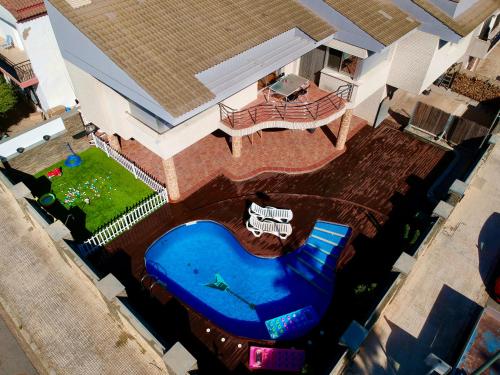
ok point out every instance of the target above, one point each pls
(8, 97)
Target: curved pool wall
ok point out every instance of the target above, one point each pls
(187, 258)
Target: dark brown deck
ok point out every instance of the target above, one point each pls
(375, 187)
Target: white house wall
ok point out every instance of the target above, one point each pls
(418, 60)
(446, 56)
(369, 82)
(373, 75)
(243, 97)
(368, 108)
(8, 27)
(54, 87)
(411, 60)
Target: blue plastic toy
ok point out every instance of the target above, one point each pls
(72, 160)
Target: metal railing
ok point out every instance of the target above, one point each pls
(21, 72)
(286, 111)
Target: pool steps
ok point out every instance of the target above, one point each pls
(320, 261)
(315, 260)
(314, 269)
(319, 249)
(324, 240)
(329, 232)
(308, 280)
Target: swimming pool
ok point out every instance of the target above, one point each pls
(188, 257)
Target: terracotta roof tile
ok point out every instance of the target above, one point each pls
(162, 44)
(468, 21)
(23, 10)
(382, 20)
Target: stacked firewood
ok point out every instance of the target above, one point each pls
(475, 88)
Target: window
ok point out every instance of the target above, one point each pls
(342, 62)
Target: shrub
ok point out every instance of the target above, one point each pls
(8, 97)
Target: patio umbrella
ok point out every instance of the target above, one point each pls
(220, 284)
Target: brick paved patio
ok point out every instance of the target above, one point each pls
(286, 151)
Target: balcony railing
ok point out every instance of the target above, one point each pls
(292, 112)
(21, 72)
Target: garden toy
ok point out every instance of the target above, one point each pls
(72, 160)
(220, 284)
(276, 359)
(47, 200)
(285, 325)
(54, 173)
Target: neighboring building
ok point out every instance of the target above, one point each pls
(30, 57)
(167, 74)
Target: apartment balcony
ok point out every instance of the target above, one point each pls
(311, 108)
(15, 64)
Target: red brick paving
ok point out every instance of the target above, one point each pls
(285, 151)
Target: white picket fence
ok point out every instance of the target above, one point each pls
(127, 164)
(123, 223)
(132, 217)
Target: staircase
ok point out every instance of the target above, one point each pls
(315, 261)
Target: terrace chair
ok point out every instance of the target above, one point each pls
(270, 213)
(8, 43)
(258, 227)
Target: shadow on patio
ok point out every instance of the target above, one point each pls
(285, 151)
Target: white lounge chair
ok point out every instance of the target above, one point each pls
(270, 213)
(258, 227)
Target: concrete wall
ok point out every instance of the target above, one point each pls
(8, 27)
(31, 138)
(54, 87)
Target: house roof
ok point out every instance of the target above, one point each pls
(467, 21)
(23, 10)
(381, 19)
(163, 44)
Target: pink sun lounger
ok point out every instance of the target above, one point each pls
(276, 359)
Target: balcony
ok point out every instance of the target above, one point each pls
(314, 108)
(15, 64)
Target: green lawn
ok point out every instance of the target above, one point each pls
(109, 187)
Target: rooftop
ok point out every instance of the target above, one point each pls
(162, 45)
(382, 20)
(24, 10)
(467, 21)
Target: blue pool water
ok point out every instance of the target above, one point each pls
(188, 257)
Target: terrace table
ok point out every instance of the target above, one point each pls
(288, 85)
